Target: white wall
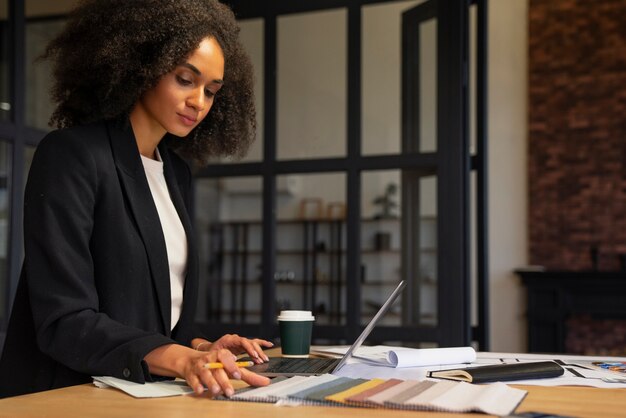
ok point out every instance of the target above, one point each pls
(507, 170)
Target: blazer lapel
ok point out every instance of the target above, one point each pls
(141, 203)
(191, 282)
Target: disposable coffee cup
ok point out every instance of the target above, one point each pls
(295, 332)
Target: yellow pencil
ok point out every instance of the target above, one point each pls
(221, 366)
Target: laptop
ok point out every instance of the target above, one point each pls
(279, 366)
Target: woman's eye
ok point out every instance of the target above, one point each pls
(208, 93)
(182, 81)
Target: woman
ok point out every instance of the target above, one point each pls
(110, 276)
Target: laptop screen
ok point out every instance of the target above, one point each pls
(366, 332)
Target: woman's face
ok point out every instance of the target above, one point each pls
(183, 97)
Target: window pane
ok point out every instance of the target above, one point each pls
(5, 168)
(312, 85)
(310, 243)
(382, 80)
(428, 86)
(228, 225)
(252, 37)
(39, 106)
(44, 20)
(473, 74)
(380, 243)
(46, 8)
(399, 242)
(252, 34)
(473, 212)
(5, 100)
(381, 77)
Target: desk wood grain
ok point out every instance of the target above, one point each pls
(89, 401)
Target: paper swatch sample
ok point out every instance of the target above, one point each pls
(496, 399)
(316, 395)
(364, 398)
(501, 372)
(378, 399)
(340, 397)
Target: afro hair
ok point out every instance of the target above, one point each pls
(112, 51)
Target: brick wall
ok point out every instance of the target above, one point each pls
(595, 337)
(577, 132)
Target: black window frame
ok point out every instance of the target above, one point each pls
(453, 166)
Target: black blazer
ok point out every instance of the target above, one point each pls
(94, 293)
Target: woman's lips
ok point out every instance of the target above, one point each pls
(187, 120)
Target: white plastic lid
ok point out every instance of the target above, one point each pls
(296, 316)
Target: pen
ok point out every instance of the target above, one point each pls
(221, 366)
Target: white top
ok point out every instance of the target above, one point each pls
(173, 231)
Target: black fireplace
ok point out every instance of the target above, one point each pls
(561, 299)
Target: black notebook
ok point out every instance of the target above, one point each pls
(501, 372)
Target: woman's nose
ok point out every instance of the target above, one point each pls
(197, 100)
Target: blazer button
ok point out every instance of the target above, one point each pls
(126, 373)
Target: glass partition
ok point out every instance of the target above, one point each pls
(5, 217)
(252, 35)
(310, 245)
(44, 20)
(5, 93)
(382, 80)
(229, 232)
(473, 75)
(428, 86)
(399, 244)
(39, 106)
(311, 85)
(37, 9)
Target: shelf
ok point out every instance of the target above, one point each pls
(365, 314)
(325, 252)
(324, 283)
(317, 220)
(314, 245)
(389, 314)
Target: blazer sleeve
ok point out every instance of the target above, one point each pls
(60, 198)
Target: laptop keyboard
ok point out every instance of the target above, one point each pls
(302, 365)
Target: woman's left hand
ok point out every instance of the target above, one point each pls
(237, 345)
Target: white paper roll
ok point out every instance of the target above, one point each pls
(412, 357)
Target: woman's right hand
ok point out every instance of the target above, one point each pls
(179, 361)
(218, 380)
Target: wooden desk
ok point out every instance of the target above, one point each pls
(89, 401)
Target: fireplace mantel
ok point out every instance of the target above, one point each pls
(554, 296)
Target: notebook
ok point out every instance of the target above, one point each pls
(501, 372)
(278, 366)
